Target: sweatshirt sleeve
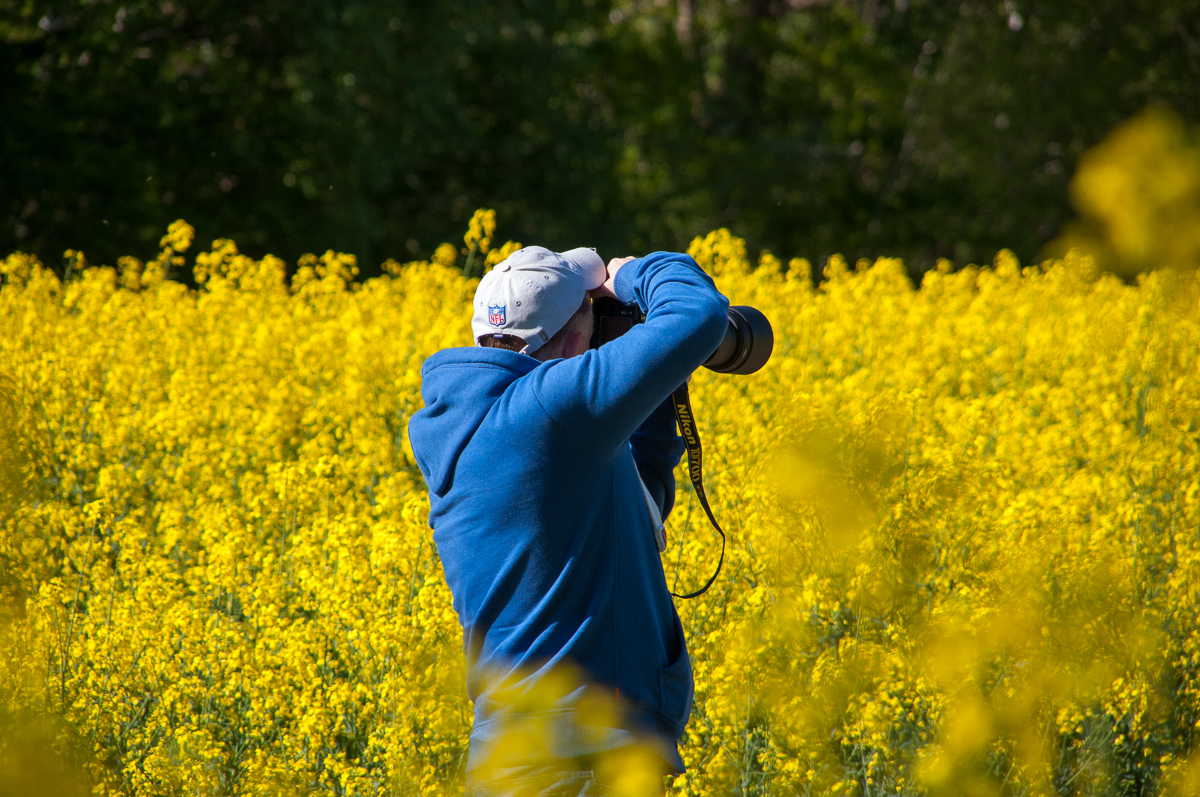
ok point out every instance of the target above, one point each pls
(604, 395)
(657, 449)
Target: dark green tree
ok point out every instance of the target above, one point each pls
(374, 128)
(908, 128)
(917, 129)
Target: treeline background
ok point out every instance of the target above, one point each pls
(905, 128)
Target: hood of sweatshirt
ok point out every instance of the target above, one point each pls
(459, 387)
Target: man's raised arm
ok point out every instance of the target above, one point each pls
(603, 396)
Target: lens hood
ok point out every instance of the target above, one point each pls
(748, 343)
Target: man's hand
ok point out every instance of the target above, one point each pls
(607, 289)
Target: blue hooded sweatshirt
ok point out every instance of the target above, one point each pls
(535, 474)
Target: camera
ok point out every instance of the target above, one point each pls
(746, 347)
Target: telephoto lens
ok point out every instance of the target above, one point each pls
(746, 347)
(749, 341)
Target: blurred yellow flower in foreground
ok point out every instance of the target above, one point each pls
(1138, 195)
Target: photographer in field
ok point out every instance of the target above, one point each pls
(549, 466)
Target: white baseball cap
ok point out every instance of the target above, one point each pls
(534, 292)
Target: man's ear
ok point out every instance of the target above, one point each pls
(574, 344)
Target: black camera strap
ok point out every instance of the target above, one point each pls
(691, 438)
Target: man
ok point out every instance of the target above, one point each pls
(549, 467)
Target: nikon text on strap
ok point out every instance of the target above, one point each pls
(691, 438)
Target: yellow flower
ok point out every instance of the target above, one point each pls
(961, 523)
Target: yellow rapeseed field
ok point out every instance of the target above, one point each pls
(964, 531)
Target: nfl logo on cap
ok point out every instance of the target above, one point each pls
(496, 314)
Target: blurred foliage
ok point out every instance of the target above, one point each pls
(911, 128)
(1138, 195)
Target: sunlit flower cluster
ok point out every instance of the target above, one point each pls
(964, 522)
(963, 552)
